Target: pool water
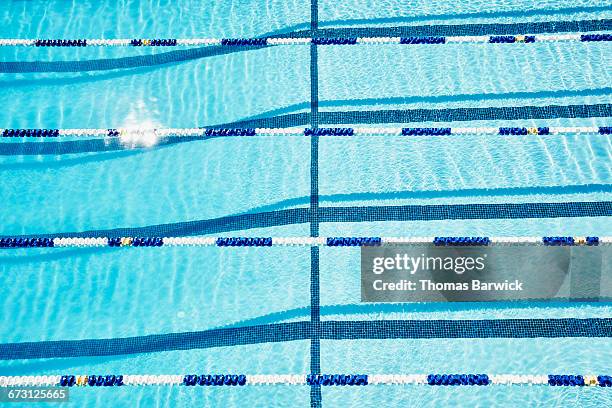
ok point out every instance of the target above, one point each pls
(71, 186)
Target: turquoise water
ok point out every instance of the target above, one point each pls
(70, 294)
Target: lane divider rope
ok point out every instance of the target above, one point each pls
(559, 380)
(367, 131)
(258, 42)
(199, 241)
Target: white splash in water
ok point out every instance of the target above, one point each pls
(137, 129)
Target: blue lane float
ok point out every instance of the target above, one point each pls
(558, 241)
(518, 131)
(605, 130)
(155, 42)
(423, 40)
(229, 132)
(114, 242)
(336, 379)
(513, 131)
(329, 132)
(569, 241)
(137, 242)
(92, 381)
(353, 241)
(113, 133)
(214, 380)
(604, 380)
(244, 41)
(335, 41)
(244, 242)
(426, 131)
(30, 133)
(60, 43)
(458, 379)
(595, 37)
(502, 39)
(461, 241)
(67, 380)
(509, 39)
(566, 380)
(148, 242)
(26, 242)
(592, 241)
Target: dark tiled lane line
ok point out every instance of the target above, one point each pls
(394, 116)
(177, 56)
(331, 330)
(352, 214)
(315, 313)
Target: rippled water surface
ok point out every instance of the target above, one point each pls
(73, 294)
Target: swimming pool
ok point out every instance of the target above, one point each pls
(295, 310)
